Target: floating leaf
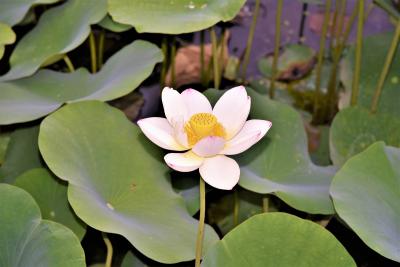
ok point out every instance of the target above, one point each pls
(280, 162)
(59, 30)
(7, 36)
(354, 129)
(278, 239)
(27, 240)
(173, 16)
(50, 193)
(366, 195)
(109, 24)
(374, 53)
(31, 98)
(12, 12)
(295, 61)
(22, 154)
(130, 260)
(117, 180)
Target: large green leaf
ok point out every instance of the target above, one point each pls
(7, 36)
(27, 240)
(278, 239)
(355, 128)
(173, 16)
(280, 162)
(366, 194)
(118, 182)
(33, 97)
(109, 24)
(374, 53)
(12, 11)
(22, 154)
(59, 30)
(50, 193)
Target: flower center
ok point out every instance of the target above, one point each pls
(202, 125)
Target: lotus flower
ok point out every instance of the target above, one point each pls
(206, 134)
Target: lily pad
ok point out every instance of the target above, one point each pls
(173, 16)
(278, 239)
(7, 36)
(108, 23)
(27, 240)
(374, 53)
(366, 194)
(354, 129)
(22, 154)
(50, 193)
(59, 30)
(36, 96)
(118, 182)
(280, 162)
(12, 12)
(295, 61)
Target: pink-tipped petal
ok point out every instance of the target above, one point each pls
(160, 132)
(209, 146)
(220, 172)
(232, 110)
(173, 103)
(196, 102)
(251, 133)
(183, 162)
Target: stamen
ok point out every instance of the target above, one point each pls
(202, 125)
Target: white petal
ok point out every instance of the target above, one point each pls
(232, 110)
(160, 132)
(179, 131)
(173, 104)
(220, 172)
(183, 162)
(196, 102)
(251, 133)
(209, 146)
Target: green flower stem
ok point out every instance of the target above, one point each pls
(325, 26)
(334, 24)
(331, 95)
(202, 59)
(221, 54)
(164, 49)
(101, 48)
(276, 49)
(250, 39)
(265, 204)
(214, 46)
(109, 250)
(200, 232)
(92, 43)
(357, 67)
(172, 65)
(386, 67)
(68, 62)
(236, 208)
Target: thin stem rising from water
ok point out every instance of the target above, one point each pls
(250, 39)
(357, 67)
(200, 231)
(214, 46)
(276, 49)
(109, 250)
(92, 43)
(386, 67)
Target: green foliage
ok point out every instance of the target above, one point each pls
(22, 154)
(31, 98)
(7, 36)
(117, 182)
(366, 194)
(175, 16)
(374, 53)
(355, 128)
(50, 193)
(278, 239)
(27, 240)
(59, 30)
